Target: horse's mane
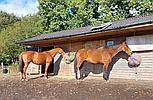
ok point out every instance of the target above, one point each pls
(107, 47)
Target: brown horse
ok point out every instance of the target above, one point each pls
(39, 58)
(100, 56)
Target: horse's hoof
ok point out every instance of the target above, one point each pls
(105, 76)
(46, 78)
(22, 79)
(78, 80)
(26, 80)
(107, 81)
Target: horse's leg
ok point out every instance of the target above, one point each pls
(78, 74)
(105, 71)
(21, 66)
(21, 77)
(46, 69)
(78, 69)
(24, 70)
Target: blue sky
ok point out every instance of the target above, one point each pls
(19, 7)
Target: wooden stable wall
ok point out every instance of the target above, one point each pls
(144, 71)
(68, 69)
(120, 69)
(141, 45)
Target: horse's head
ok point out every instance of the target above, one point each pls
(61, 51)
(124, 47)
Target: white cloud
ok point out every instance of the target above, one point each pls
(19, 7)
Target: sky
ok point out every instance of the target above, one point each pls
(19, 7)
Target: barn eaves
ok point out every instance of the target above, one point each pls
(89, 30)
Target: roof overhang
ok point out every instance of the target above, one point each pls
(124, 32)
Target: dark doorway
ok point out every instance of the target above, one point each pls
(51, 67)
(33, 48)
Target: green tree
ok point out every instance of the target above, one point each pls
(27, 27)
(66, 14)
(7, 19)
(111, 10)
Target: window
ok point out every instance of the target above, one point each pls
(110, 43)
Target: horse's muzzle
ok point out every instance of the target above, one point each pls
(63, 53)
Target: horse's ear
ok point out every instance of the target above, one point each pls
(124, 43)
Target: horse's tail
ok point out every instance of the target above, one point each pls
(21, 63)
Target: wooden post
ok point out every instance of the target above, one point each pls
(4, 69)
(2, 65)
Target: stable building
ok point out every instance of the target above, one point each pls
(137, 32)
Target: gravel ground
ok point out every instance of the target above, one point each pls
(56, 88)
